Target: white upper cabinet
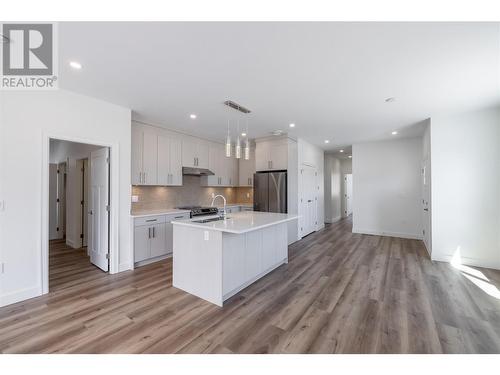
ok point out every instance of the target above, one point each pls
(271, 155)
(195, 152)
(150, 158)
(246, 170)
(156, 157)
(144, 156)
(137, 143)
(169, 160)
(225, 169)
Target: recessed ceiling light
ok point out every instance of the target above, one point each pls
(394, 132)
(243, 134)
(341, 150)
(350, 156)
(292, 125)
(390, 100)
(327, 141)
(75, 65)
(193, 116)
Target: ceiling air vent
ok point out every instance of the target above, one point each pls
(236, 106)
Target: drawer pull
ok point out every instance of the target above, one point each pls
(151, 220)
(179, 217)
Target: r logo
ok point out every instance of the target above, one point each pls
(29, 50)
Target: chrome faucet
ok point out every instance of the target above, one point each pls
(213, 200)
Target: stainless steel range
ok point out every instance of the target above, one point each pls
(200, 210)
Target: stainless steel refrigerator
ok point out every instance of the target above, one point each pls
(270, 192)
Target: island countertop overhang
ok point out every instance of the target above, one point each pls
(240, 222)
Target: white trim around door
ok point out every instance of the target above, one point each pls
(114, 204)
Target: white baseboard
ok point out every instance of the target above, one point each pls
(125, 267)
(410, 236)
(474, 262)
(20, 295)
(71, 243)
(333, 220)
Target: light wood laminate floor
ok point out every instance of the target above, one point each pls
(340, 293)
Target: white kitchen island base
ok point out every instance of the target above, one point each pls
(215, 264)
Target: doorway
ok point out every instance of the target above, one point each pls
(308, 200)
(79, 211)
(347, 195)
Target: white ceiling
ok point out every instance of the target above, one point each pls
(330, 79)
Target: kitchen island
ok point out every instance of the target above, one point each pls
(214, 260)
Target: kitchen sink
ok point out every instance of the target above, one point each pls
(210, 220)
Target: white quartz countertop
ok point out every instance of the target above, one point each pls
(160, 211)
(239, 222)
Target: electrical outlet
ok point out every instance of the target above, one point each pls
(206, 235)
(213, 195)
(135, 198)
(248, 195)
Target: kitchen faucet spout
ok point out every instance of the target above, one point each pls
(224, 199)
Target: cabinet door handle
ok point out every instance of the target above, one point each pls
(154, 232)
(149, 232)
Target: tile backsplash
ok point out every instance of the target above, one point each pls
(191, 193)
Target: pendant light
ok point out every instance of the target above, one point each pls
(228, 141)
(238, 142)
(247, 145)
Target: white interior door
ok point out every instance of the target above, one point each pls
(53, 206)
(348, 194)
(309, 200)
(426, 204)
(86, 176)
(61, 200)
(99, 205)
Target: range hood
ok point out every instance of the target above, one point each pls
(190, 171)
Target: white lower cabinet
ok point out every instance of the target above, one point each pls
(247, 257)
(153, 238)
(142, 249)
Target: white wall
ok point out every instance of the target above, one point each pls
(345, 168)
(26, 120)
(311, 155)
(60, 151)
(466, 187)
(387, 188)
(333, 187)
